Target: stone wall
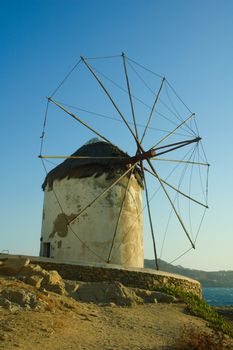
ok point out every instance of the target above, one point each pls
(140, 278)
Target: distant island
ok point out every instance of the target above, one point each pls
(218, 279)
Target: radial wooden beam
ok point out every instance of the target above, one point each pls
(149, 216)
(179, 161)
(119, 217)
(176, 189)
(81, 157)
(130, 96)
(79, 120)
(176, 146)
(101, 194)
(152, 109)
(112, 101)
(174, 130)
(172, 204)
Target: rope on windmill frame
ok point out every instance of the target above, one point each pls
(135, 97)
(176, 196)
(55, 194)
(202, 217)
(44, 126)
(172, 171)
(180, 256)
(57, 199)
(116, 119)
(161, 101)
(174, 108)
(102, 57)
(158, 75)
(196, 150)
(65, 78)
(43, 133)
(147, 69)
(119, 217)
(145, 206)
(190, 186)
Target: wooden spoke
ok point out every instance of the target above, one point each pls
(176, 189)
(152, 110)
(130, 96)
(172, 204)
(81, 157)
(119, 217)
(101, 194)
(176, 146)
(79, 120)
(150, 218)
(179, 161)
(112, 101)
(174, 130)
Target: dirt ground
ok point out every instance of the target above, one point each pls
(40, 311)
(88, 326)
(68, 324)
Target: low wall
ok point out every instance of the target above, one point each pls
(139, 278)
(133, 277)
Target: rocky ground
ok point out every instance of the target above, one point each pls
(39, 310)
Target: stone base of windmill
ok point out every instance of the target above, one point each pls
(146, 279)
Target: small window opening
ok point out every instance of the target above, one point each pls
(46, 249)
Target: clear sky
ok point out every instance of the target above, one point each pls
(190, 42)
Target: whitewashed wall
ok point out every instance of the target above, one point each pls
(95, 227)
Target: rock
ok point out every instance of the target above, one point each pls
(154, 296)
(106, 293)
(112, 304)
(32, 270)
(12, 266)
(4, 303)
(53, 282)
(33, 275)
(121, 295)
(116, 293)
(15, 298)
(34, 281)
(19, 296)
(71, 286)
(43, 279)
(163, 297)
(144, 294)
(90, 292)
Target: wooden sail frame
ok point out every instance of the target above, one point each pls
(139, 158)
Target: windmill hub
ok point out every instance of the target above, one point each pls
(143, 156)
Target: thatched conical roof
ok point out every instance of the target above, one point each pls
(85, 167)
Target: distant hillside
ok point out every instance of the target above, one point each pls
(207, 279)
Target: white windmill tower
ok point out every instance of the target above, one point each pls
(93, 208)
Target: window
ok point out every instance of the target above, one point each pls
(46, 249)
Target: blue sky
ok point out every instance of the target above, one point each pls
(190, 42)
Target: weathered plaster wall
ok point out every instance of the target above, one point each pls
(91, 235)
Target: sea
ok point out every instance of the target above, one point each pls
(218, 296)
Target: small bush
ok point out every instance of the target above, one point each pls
(199, 307)
(194, 340)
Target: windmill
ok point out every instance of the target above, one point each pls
(178, 135)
